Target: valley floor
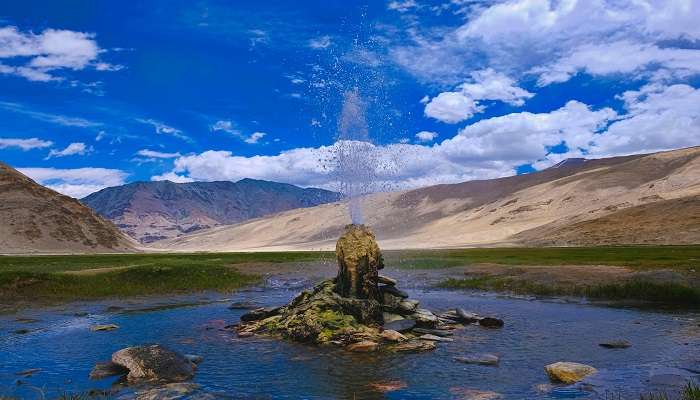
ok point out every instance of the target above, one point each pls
(663, 274)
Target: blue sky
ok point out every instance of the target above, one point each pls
(99, 93)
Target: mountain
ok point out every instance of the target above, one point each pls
(35, 219)
(641, 199)
(150, 211)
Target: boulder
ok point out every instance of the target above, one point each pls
(393, 336)
(391, 302)
(385, 280)
(359, 260)
(568, 372)
(389, 317)
(102, 328)
(392, 290)
(435, 338)
(479, 359)
(414, 346)
(106, 369)
(366, 346)
(153, 363)
(490, 322)
(402, 326)
(424, 318)
(615, 344)
(408, 306)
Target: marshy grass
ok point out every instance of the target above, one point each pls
(690, 392)
(636, 290)
(73, 277)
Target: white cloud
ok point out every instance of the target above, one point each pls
(57, 119)
(426, 136)
(453, 107)
(77, 182)
(172, 177)
(36, 56)
(156, 154)
(226, 126)
(320, 43)
(255, 137)
(402, 5)
(162, 128)
(71, 149)
(25, 144)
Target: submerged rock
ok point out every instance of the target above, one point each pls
(154, 363)
(106, 369)
(171, 391)
(414, 346)
(568, 372)
(615, 344)
(103, 328)
(365, 346)
(490, 322)
(479, 359)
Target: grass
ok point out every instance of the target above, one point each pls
(38, 278)
(637, 290)
(690, 392)
(681, 258)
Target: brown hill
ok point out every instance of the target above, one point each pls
(35, 219)
(505, 211)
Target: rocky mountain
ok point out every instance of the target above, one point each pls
(640, 199)
(35, 219)
(150, 211)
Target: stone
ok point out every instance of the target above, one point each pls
(402, 326)
(28, 372)
(104, 328)
(424, 318)
(435, 338)
(568, 372)
(389, 317)
(479, 359)
(359, 260)
(388, 386)
(258, 314)
(103, 370)
(366, 346)
(490, 322)
(414, 346)
(615, 344)
(245, 334)
(408, 306)
(393, 336)
(391, 302)
(474, 394)
(171, 391)
(436, 332)
(466, 317)
(153, 363)
(385, 280)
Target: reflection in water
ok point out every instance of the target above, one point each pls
(536, 333)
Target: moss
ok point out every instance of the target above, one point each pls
(334, 323)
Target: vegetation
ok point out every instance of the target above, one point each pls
(61, 278)
(691, 392)
(638, 290)
(681, 258)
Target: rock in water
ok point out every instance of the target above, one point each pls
(615, 344)
(568, 372)
(359, 260)
(153, 363)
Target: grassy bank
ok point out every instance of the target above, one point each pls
(62, 278)
(679, 258)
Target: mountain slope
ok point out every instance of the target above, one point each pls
(150, 211)
(35, 219)
(491, 212)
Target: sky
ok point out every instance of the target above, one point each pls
(101, 93)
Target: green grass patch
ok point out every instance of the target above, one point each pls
(636, 290)
(44, 278)
(681, 258)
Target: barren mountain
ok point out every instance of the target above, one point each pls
(150, 211)
(578, 202)
(35, 219)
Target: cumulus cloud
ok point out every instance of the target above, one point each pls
(37, 57)
(402, 5)
(453, 107)
(71, 149)
(77, 182)
(172, 177)
(24, 144)
(254, 137)
(522, 36)
(426, 136)
(156, 154)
